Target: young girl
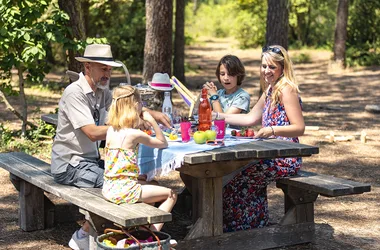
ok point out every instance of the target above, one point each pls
(121, 175)
(232, 99)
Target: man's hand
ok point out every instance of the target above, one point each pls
(160, 117)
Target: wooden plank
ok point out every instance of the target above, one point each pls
(197, 158)
(124, 215)
(50, 119)
(260, 238)
(326, 185)
(152, 213)
(218, 206)
(272, 148)
(31, 210)
(222, 154)
(214, 169)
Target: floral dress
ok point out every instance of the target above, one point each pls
(245, 204)
(121, 173)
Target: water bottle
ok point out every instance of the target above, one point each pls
(204, 112)
(167, 107)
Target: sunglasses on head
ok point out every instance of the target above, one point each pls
(273, 49)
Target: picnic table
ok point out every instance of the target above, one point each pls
(208, 167)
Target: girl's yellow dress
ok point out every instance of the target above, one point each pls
(121, 173)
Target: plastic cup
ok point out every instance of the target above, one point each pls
(185, 131)
(220, 128)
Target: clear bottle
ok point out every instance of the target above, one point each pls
(204, 112)
(167, 107)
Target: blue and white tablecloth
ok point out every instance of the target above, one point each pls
(157, 162)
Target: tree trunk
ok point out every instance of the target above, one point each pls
(74, 9)
(277, 23)
(195, 7)
(24, 104)
(179, 41)
(158, 38)
(341, 34)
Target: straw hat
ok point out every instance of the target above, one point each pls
(161, 81)
(99, 53)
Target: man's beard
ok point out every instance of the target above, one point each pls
(99, 84)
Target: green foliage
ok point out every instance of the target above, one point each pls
(311, 23)
(301, 58)
(363, 33)
(218, 17)
(358, 57)
(123, 24)
(250, 32)
(25, 34)
(33, 143)
(43, 130)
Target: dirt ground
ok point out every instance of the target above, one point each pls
(332, 102)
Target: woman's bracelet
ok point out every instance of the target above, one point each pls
(217, 116)
(273, 133)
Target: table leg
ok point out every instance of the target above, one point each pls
(207, 199)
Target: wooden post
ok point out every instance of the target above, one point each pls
(31, 207)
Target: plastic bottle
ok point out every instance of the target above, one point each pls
(204, 112)
(167, 107)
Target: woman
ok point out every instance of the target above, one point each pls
(245, 203)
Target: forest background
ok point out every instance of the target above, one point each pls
(38, 40)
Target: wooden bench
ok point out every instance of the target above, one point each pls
(32, 178)
(300, 193)
(297, 225)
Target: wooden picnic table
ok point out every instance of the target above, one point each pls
(209, 167)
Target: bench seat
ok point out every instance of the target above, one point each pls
(325, 185)
(35, 178)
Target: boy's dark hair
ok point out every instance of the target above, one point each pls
(234, 67)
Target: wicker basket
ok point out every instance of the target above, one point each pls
(162, 240)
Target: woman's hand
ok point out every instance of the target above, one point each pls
(265, 132)
(211, 88)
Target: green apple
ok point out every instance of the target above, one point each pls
(211, 135)
(200, 137)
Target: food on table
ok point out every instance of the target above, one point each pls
(245, 132)
(211, 135)
(148, 131)
(200, 137)
(173, 137)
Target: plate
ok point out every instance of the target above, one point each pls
(176, 140)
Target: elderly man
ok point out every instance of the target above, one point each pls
(81, 127)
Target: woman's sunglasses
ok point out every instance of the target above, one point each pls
(215, 142)
(273, 49)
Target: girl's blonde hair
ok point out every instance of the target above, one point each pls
(123, 112)
(271, 53)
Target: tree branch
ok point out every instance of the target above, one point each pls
(10, 108)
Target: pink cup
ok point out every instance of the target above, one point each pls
(185, 131)
(220, 128)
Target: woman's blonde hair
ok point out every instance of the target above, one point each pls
(123, 112)
(272, 54)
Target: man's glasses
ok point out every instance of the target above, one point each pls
(273, 49)
(96, 116)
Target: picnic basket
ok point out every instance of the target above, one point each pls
(161, 240)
